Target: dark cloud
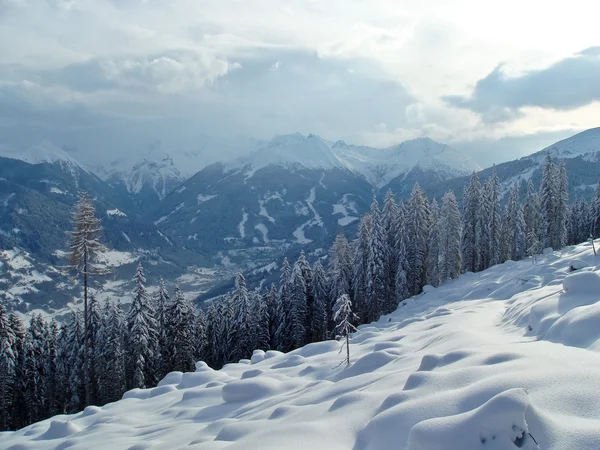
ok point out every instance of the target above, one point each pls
(565, 85)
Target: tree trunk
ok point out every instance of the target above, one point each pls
(347, 349)
(85, 326)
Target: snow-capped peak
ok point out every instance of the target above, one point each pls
(291, 150)
(160, 176)
(43, 152)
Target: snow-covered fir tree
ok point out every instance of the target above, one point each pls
(284, 313)
(417, 240)
(344, 317)
(318, 324)
(472, 218)
(450, 238)
(340, 269)
(595, 213)
(180, 334)
(532, 216)
(307, 275)
(376, 271)
(389, 219)
(7, 368)
(142, 337)
(491, 218)
(161, 302)
(298, 307)
(361, 266)
(434, 246)
(548, 199)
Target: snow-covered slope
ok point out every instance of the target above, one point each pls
(585, 144)
(377, 165)
(503, 359)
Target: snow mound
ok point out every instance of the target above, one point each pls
(583, 283)
(60, 429)
(499, 424)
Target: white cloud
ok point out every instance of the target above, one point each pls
(137, 58)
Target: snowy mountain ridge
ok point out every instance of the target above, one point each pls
(377, 165)
(43, 152)
(497, 360)
(585, 144)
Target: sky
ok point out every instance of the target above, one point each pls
(107, 78)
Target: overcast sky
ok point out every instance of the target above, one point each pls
(498, 79)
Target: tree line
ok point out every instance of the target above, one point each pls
(399, 248)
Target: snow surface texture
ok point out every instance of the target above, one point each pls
(489, 361)
(378, 166)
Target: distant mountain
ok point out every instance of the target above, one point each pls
(383, 166)
(379, 166)
(292, 190)
(147, 181)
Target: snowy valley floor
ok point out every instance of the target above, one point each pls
(478, 363)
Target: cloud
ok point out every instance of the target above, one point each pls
(565, 85)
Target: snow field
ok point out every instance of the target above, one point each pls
(494, 361)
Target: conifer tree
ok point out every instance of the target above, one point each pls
(283, 336)
(75, 351)
(50, 369)
(142, 338)
(390, 216)
(19, 416)
(84, 246)
(340, 270)
(242, 310)
(343, 318)
(161, 301)
(595, 213)
(307, 275)
(402, 285)
(532, 215)
(434, 246)
(361, 266)
(471, 238)
(261, 330)
(450, 238)
(548, 200)
(376, 271)
(562, 201)
(297, 312)
(318, 325)
(271, 298)
(7, 369)
(180, 333)
(492, 220)
(417, 231)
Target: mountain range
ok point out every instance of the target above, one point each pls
(291, 193)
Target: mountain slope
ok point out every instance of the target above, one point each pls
(581, 154)
(498, 360)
